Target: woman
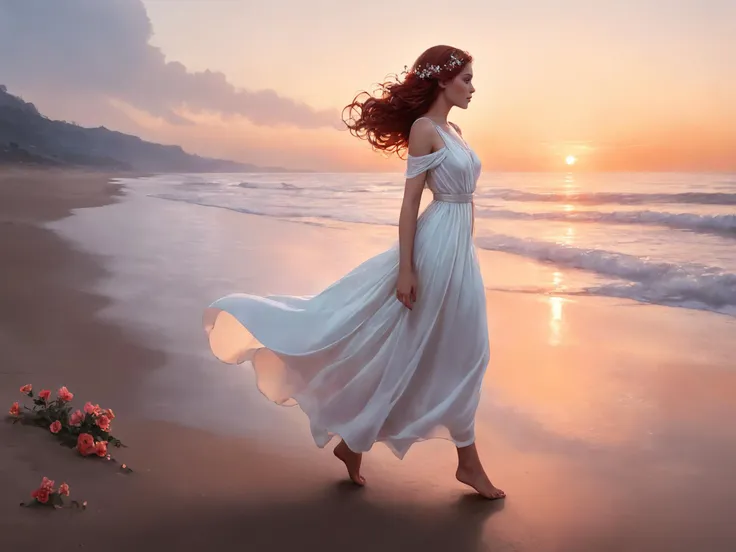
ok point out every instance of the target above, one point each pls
(395, 351)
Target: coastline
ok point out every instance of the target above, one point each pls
(50, 334)
(604, 434)
(191, 489)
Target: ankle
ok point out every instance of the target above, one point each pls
(468, 467)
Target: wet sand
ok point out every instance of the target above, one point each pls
(606, 422)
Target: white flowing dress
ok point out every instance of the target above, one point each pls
(359, 363)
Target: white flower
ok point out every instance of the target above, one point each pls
(432, 70)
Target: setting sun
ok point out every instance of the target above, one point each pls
(570, 159)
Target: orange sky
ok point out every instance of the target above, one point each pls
(645, 85)
(625, 85)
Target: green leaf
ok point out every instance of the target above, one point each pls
(116, 442)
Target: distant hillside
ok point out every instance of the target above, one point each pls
(27, 136)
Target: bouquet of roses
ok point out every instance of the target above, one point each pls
(47, 495)
(88, 430)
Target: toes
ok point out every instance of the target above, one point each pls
(495, 494)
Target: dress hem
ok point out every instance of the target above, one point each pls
(332, 434)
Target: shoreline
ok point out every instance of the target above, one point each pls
(51, 335)
(604, 434)
(44, 270)
(236, 488)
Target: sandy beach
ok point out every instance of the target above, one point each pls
(607, 422)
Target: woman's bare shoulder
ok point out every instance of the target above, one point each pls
(422, 137)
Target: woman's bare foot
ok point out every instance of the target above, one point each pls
(479, 481)
(352, 462)
(470, 471)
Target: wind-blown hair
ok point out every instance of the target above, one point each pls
(385, 119)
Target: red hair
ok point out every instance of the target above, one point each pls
(385, 119)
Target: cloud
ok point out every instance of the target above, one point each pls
(101, 49)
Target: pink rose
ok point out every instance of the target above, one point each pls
(77, 418)
(64, 489)
(15, 409)
(47, 484)
(26, 389)
(109, 413)
(55, 427)
(103, 422)
(101, 448)
(42, 495)
(64, 395)
(44, 394)
(85, 444)
(90, 408)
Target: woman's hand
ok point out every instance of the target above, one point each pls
(406, 288)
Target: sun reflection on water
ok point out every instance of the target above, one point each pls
(556, 305)
(555, 320)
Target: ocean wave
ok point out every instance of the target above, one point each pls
(681, 294)
(274, 212)
(718, 224)
(318, 189)
(300, 214)
(640, 279)
(269, 186)
(684, 285)
(600, 198)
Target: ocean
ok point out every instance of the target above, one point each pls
(662, 238)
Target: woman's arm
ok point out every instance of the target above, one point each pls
(420, 143)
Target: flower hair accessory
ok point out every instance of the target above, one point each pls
(429, 71)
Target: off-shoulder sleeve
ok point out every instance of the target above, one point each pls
(417, 165)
